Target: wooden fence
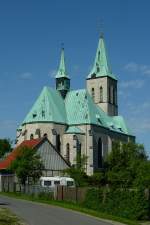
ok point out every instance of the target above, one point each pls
(71, 194)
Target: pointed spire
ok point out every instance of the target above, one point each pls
(62, 67)
(101, 65)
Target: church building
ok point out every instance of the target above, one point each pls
(79, 122)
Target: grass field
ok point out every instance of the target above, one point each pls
(8, 218)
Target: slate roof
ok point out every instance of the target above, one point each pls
(77, 108)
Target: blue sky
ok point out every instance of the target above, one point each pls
(31, 33)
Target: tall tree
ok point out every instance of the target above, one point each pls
(5, 146)
(27, 165)
(123, 163)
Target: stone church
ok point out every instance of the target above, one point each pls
(79, 122)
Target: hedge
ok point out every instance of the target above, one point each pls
(131, 204)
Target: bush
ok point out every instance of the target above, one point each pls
(131, 204)
(45, 196)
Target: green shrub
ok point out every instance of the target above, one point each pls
(45, 196)
(131, 204)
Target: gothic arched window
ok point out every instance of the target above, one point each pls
(101, 94)
(68, 152)
(93, 93)
(31, 136)
(100, 154)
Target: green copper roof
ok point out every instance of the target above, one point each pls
(81, 109)
(49, 107)
(62, 67)
(101, 65)
(121, 124)
(74, 130)
(77, 108)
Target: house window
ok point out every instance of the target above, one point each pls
(101, 94)
(38, 132)
(45, 135)
(67, 152)
(31, 136)
(47, 183)
(93, 93)
(57, 182)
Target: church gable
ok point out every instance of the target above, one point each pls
(49, 107)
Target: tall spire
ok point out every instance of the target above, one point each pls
(101, 65)
(62, 67)
(62, 78)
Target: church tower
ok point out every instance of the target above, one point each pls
(101, 82)
(62, 78)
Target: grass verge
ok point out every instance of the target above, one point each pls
(72, 206)
(7, 218)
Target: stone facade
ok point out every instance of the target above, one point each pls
(104, 93)
(89, 141)
(93, 130)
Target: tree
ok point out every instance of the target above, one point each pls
(142, 179)
(5, 146)
(122, 165)
(27, 165)
(97, 179)
(77, 172)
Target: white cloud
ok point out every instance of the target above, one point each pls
(137, 68)
(26, 76)
(131, 67)
(132, 84)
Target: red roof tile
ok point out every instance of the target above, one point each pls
(12, 156)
